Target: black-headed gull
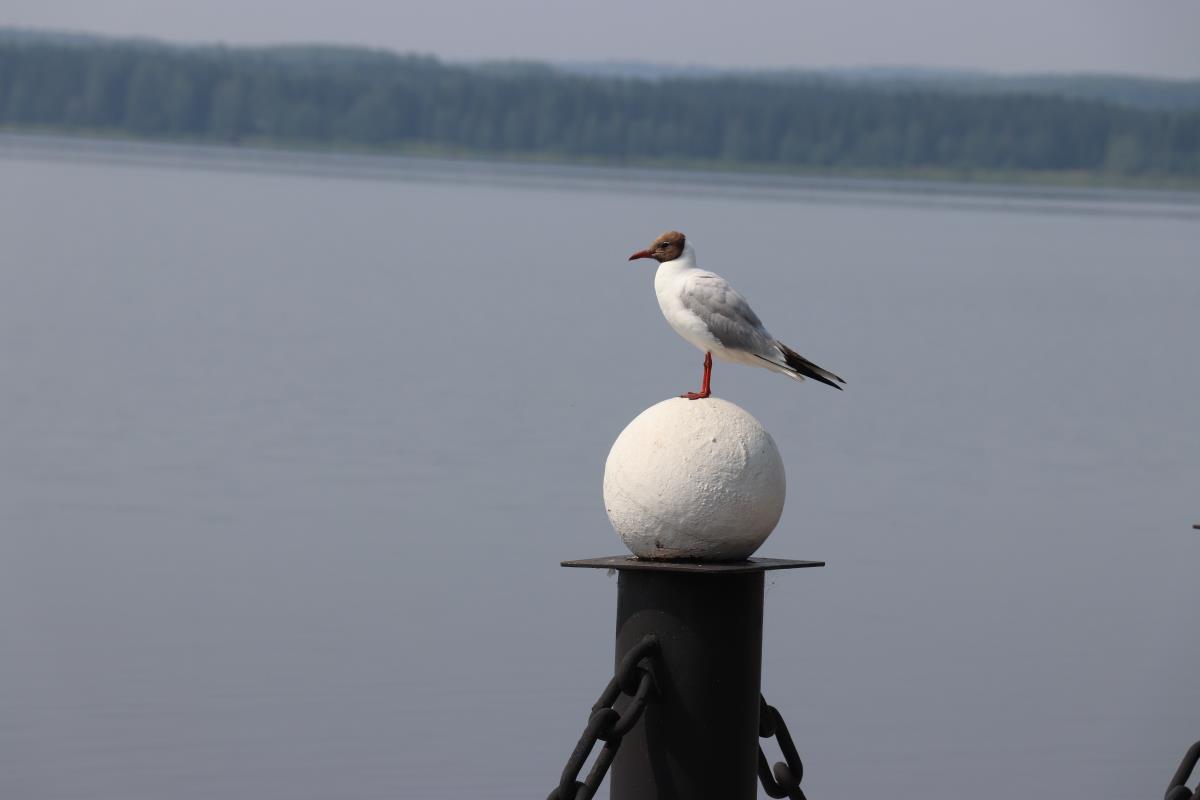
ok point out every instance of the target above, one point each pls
(705, 310)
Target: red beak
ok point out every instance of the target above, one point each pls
(641, 254)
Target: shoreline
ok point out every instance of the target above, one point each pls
(439, 165)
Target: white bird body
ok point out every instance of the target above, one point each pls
(690, 299)
(668, 287)
(707, 311)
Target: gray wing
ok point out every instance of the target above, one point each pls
(727, 314)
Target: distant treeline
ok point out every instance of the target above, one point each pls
(346, 97)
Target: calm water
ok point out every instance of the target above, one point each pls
(291, 449)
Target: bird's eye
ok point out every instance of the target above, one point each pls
(660, 245)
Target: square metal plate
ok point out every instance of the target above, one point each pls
(713, 567)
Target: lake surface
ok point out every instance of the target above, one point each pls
(292, 446)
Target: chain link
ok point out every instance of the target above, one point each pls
(634, 679)
(784, 780)
(1178, 790)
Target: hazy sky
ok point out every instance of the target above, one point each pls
(1157, 37)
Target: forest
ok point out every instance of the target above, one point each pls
(363, 99)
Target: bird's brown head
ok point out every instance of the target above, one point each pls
(667, 247)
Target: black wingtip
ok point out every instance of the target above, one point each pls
(816, 377)
(808, 369)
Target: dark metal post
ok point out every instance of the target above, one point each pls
(699, 739)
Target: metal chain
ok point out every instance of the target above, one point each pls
(1178, 790)
(634, 678)
(784, 780)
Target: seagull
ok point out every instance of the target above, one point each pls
(705, 310)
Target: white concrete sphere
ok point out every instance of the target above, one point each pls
(694, 479)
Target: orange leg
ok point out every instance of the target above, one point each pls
(705, 389)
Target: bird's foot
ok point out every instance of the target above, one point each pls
(700, 395)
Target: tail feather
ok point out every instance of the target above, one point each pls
(802, 366)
